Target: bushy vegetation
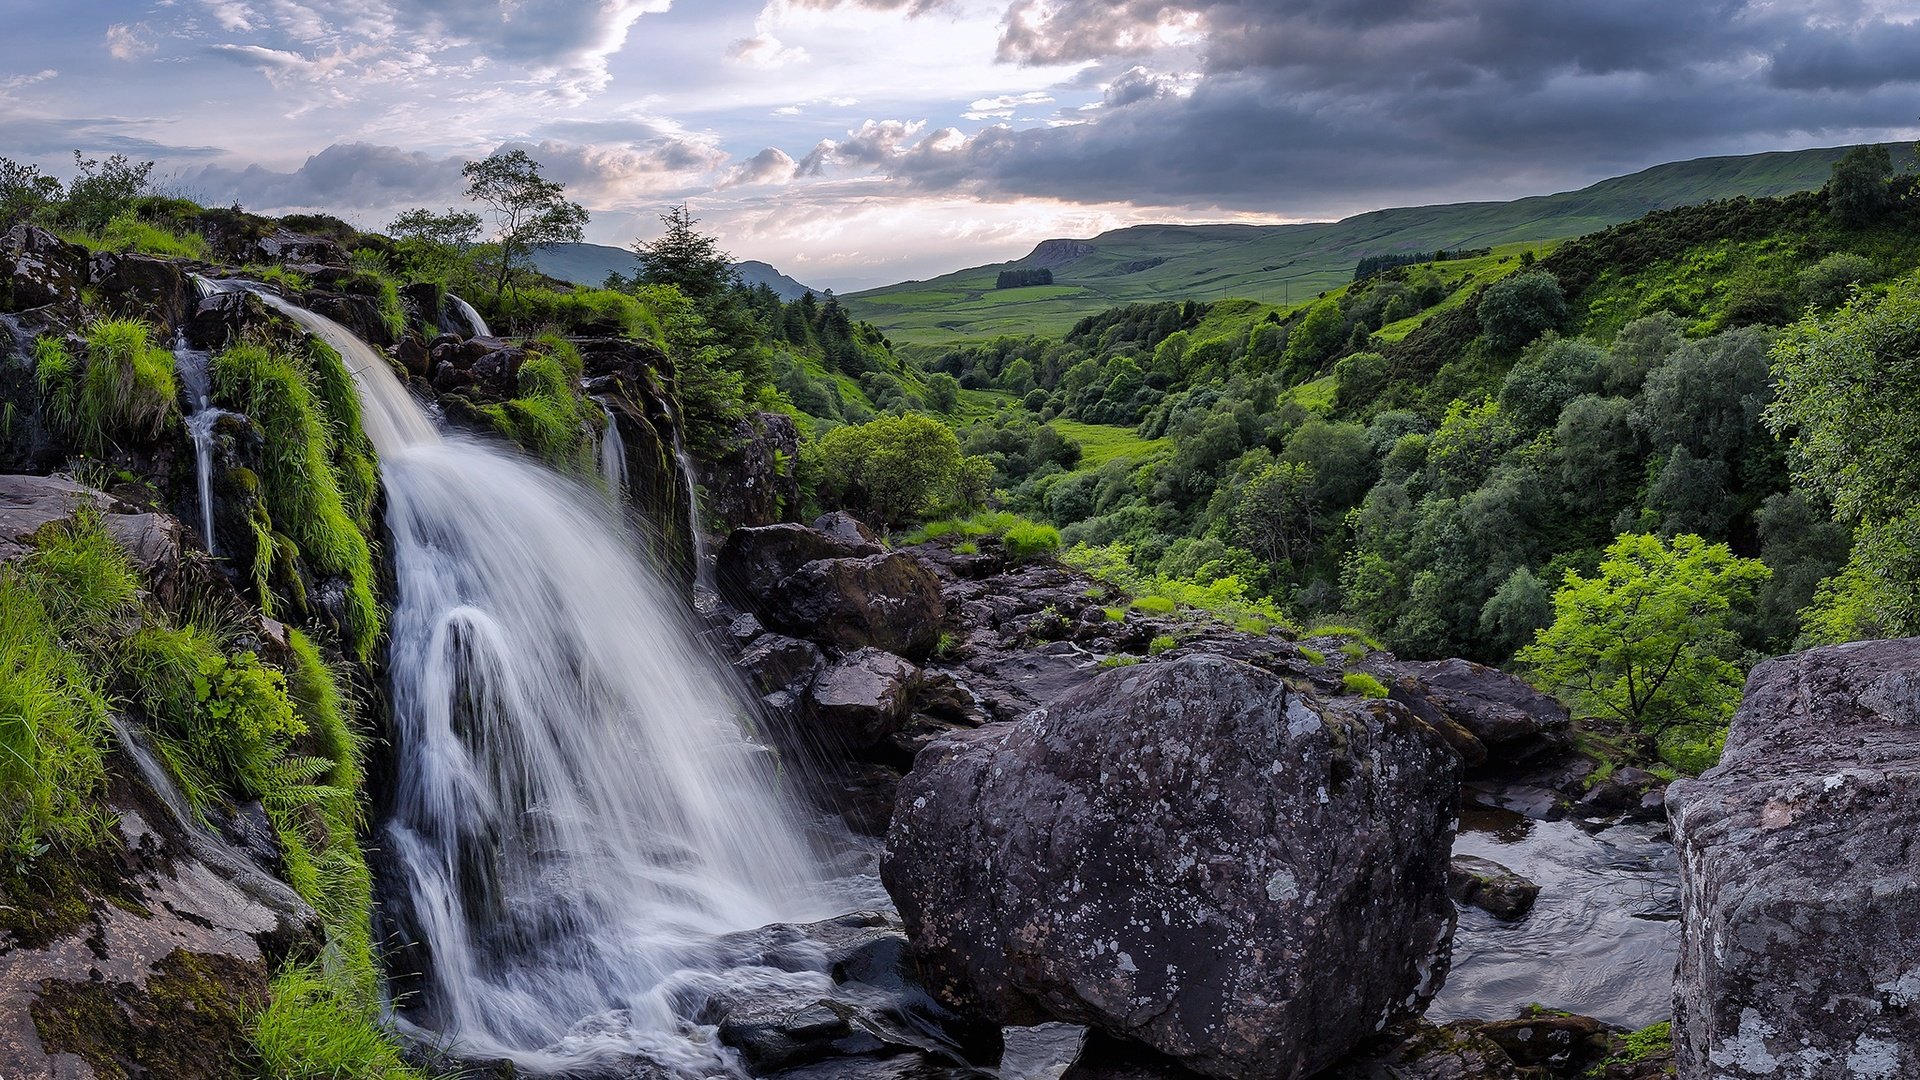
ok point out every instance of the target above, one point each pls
(316, 476)
(894, 470)
(118, 392)
(548, 416)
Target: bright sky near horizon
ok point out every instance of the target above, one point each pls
(853, 143)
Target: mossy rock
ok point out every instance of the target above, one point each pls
(189, 1022)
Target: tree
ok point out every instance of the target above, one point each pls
(893, 470)
(26, 194)
(1646, 641)
(102, 190)
(1857, 191)
(529, 210)
(685, 258)
(1515, 310)
(437, 247)
(1844, 398)
(1275, 514)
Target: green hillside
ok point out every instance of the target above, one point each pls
(1288, 263)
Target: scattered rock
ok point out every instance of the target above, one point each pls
(754, 561)
(1192, 854)
(1799, 875)
(847, 529)
(863, 698)
(38, 268)
(1492, 888)
(1627, 794)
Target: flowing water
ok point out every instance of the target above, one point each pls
(613, 457)
(1601, 940)
(577, 818)
(702, 561)
(192, 366)
(471, 324)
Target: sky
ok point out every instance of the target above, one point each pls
(854, 143)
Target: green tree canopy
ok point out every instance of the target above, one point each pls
(529, 210)
(891, 471)
(1647, 641)
(1515, 310)
(685, 258)
(1857, 191)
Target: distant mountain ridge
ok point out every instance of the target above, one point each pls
(1289, 263)
(589, 264)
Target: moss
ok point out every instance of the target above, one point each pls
(1155, 605)
(1161, 643)
(303, 480)
(53, 896)
(1359, 682)
(1118, 661)
(548, 418)
(1312, 656)
(1115, 614)
(189, 1022)
(128, 233)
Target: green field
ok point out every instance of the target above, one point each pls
(1290, 264)
(1101, 443)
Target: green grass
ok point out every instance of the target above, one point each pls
(1155, 605)
(373, 276)
(1161, 643)
(583, 310)
(311, 1030)
(1018, 536)
(1290, 264)
(122, 392)
(58, 608)
(1226, 598)
(1315, 395)
(129, 233)
(548, 417)
(1359, 682)
(1102, 443)
(307, 471)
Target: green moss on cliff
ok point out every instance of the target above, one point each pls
(314, 477)
(548, 417)
(187, 1023)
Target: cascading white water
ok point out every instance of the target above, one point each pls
(577, 815)
(468, 317)
(192, 366)
(702, 562)
(613, 456)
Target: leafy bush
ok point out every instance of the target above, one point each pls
(1161, 643)
(1515, 310)
(895, 470)
(1028, 540)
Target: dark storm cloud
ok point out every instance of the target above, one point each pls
(1306, 105)
(342, 175)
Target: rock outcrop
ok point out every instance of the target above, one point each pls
(1492, 888)
(1800, 877)
(1508, 722)
(1192, 854)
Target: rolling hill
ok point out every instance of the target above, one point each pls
(589, 264)
(1289, 263)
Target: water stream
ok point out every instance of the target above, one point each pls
(702, 560)
(578, 818)
(1600, 941)
(192, 366)
(613, 456)
(471, 324)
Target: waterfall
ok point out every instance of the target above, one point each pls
(702, 563)
(192, 367)
(577, 817)
(467, 317)
(613, 456)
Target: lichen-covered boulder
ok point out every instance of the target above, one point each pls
(1800, 875)
(1191, 854)
(1514, 722)
(39, 268)
(1492, 888)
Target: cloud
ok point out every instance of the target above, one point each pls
(1866, 56)
(129, 42)
(910, 7)
(16, 82)
(765, 51)
(770, 166)
(1003, 107)
(877, 143)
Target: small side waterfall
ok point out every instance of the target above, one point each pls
(613, 456)
(192, 366)
(463, 313)
(577, 817)
(702, 560)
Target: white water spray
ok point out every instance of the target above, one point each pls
(577, 815)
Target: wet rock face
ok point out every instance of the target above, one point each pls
(889, 602)
(38, 268)
(753, 482)
(1800, 878)
(1492, 888)
(1513, 723)
(753, 562)
(1191, 854)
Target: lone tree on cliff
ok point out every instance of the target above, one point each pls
(686, 259)
(528, 209)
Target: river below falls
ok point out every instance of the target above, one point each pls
(1601, 940)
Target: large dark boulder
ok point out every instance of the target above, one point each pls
(1800, 875)
(752, 562)
(751, 482)
(1192, 854)
(890, 601)
(1515, 723)
(145, 286)
(863, 698)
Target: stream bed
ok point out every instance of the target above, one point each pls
(1601, 940)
